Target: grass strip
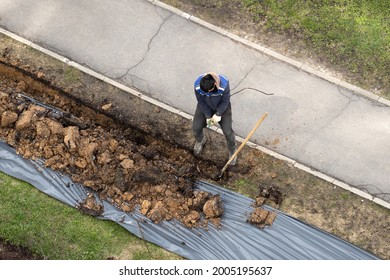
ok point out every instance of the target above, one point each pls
(350, 34)
(53, 230)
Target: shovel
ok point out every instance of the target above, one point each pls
(242, 145)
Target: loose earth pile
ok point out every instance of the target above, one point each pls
(119, 164)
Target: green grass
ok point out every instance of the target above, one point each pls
(345, 195)
(244, 186)
(72, 75)
(351, 34)
(57, 231)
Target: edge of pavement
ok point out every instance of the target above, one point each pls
(299, 65)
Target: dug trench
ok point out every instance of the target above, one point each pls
(125, 165)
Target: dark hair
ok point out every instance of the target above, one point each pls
(207, 83)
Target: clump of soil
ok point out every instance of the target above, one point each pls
(117, 163)
(213, 207)
(261, 217)
(91, 206)
(269, 195)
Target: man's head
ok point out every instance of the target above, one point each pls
(207, 83)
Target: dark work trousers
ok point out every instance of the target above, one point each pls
(199, 123)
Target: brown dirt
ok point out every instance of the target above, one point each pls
(120, 164)
(12, 252)
(147, 153)
(261, 217)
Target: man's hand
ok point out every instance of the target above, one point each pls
(216, 118)
(213, 120)
(209, 122)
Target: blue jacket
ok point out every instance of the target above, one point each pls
(212, 103)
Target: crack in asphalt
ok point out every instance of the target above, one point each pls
(165, 19)
(246, 75)
(133, 79)
(341, 111)
(350, 100)
(365, 187)
(234, 92)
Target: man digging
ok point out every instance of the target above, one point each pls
(212, 93)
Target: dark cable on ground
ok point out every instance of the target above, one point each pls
(263, 92)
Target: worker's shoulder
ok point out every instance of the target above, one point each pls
(223, 77)
(224, 82)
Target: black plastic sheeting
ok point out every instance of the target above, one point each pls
(287, 238)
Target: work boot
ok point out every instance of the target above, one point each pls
(234, 160)
(198, 148)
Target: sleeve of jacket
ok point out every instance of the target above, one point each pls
(222, 106)
(203, 105)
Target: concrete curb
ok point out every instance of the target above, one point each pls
(138, 94)
(273, 54)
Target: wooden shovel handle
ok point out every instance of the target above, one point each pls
(244, 142)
